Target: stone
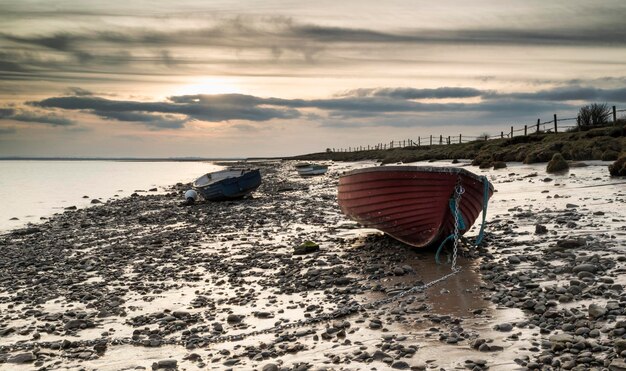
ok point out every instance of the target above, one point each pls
(306, 248)
(400, 365)
(617, 365)
(561, 338)
(165, 364)
(540, 229)
(620, 345)
(22, 358)
(585, 268)
(596, 311)
(571, 243)
(270, 367)
(504, 327)
(233, 318)
(557, 164)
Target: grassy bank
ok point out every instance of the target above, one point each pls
(605, 143)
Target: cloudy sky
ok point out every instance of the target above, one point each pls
(238, 78)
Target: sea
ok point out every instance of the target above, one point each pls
(34, 189)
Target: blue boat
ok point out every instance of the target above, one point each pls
(229, 184)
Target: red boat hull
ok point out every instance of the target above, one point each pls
(411, 203)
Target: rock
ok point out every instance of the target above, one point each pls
(7, 331)
(585, 268)
(596, 311)
(78, 323)
(561, 338)
(96, 201)
(270, 367)
(233, 318)
(571, 243)
(540, 229)
(617, 365)
(504, 327)
(499, 165)
(71, 208)
(400, 365)
(22, 358)
(165, 364)
(557, 164)
(620, 345)
(306, 248)
(618, 168)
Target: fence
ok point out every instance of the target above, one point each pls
(555, 124)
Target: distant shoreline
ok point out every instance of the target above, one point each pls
(138, 159)
(603, 143)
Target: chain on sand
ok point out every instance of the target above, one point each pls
(346, 311)
(337, 314)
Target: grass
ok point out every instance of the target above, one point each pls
(604, 143)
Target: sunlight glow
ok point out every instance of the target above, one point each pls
(209, 85)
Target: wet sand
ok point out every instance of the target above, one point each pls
(142, 282)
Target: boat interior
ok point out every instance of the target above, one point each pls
(208, 179)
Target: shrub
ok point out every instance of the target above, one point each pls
(593, 114)
(609, 155)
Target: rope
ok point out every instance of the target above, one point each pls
(481, 234)
(459, 223)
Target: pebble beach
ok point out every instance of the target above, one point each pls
(143, 282)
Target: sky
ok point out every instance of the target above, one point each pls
(221, 78)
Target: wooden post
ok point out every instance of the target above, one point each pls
(501, 135)
(403, 143)
(555, 125)
(511, 131)
(431, 140)
(460, 139)
(538, 122)
(419, 141)
(440, 139)
(614, 115)
(525, 130)
(449, 140)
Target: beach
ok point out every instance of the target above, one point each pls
(143, 282)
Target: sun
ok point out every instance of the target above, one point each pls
(208, 85)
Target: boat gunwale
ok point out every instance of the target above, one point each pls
(427, 169)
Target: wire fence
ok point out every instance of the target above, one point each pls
(557, 124)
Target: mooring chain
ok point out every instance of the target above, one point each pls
(458, 193)
(343, 312)
(339, 313)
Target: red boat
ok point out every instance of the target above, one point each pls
(412, 203)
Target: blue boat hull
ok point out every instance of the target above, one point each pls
(232, 188)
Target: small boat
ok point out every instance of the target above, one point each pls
(413, 204)
(229, 184)
(311, 169)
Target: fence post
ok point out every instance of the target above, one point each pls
(449, 142)
(555, 125)
(538, 122)
(525, 130)
(511, 131)
(614, 115)
(440, 139)
(460, 139)
(501, 135)
(431, 140)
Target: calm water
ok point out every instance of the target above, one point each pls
(32, 189)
